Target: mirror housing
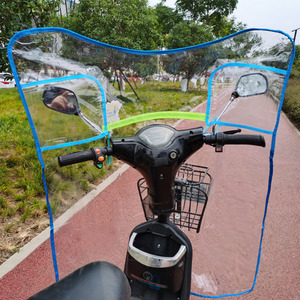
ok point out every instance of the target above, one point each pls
(251, 85)
(61, 100)
(65, 101)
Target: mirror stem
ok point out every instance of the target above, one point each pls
(234, 95)
(96, 127)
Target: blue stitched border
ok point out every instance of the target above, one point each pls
(68, 78)
(133, 51)
(271, 168)
(105, 133)
(156, 52)
(241, 65)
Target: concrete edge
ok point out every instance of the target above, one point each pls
(292, 125)
(26, 250)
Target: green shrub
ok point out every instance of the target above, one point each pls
(291, 105)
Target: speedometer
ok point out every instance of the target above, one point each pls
(157, 136)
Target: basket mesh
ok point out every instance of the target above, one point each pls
(192, 186)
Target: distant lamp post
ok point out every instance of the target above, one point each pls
(295, 34)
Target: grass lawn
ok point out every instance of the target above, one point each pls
(23, 209)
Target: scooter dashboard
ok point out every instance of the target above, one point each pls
(157, 137)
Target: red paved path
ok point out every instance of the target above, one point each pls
(279, 274)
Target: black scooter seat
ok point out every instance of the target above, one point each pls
(94, 281)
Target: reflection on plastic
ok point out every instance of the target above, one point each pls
(251, 85)
(61, 100)
(205, 283)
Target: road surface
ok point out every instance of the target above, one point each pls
(109, 218)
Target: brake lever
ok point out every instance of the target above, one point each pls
(219, 148)
(232, 131)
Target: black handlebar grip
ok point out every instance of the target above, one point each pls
(76, 157)
(234, 139)
(245, 139)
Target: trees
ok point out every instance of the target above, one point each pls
(167, 18)
(127, 23)
(207, 11)
(19, 15)
(184, 34)
(296, 65)
(203, 21)
(188, 33)
(213, 13)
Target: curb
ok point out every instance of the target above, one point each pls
(25, 251)
(292, 125)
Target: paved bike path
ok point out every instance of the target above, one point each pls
(279, 274)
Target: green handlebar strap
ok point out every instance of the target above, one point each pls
(155, 116)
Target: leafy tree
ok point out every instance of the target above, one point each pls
(226, 26)
(126, 23)
(167, 18)
(184, 34)
(188, 33)
(207, 10)
(19, 15)
(210, 12)
(240, 46)
(296, 65)
(297, 52)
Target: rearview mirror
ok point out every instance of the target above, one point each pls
(61, 100)
(251, 85)
(248, 85)
(65, 101)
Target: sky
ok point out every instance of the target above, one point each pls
(270, 14)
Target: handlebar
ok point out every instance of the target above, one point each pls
(76, 157)
(124, 148)
(222, 139)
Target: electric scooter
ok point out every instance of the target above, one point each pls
(173, 193)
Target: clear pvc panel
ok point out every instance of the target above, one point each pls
(245, 111)
(54, 128)
(117, 87)
(120, 72)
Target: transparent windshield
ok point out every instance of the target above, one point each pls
(117, 87)
(116, 91)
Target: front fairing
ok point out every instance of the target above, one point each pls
(120, 90)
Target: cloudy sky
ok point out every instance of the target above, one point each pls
(271, 14)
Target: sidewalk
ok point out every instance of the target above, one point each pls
(110, 219)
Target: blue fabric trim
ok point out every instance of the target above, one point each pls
(138, 52)
(66, 78)
(244, 126)
(14, 71)
(102, 135)
(221, 296)
(38, 151)
(271, 168)
(272, 153)
(37, 144)
(51, 227)
(133, 51)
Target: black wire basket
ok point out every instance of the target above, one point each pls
(192, 187)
